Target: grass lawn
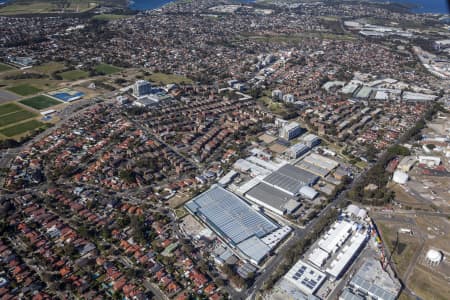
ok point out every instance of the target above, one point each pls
(9, 108)
(107, 69)
(169, 78)
(4, 67)
(109, 17)
(40, 102)
(21, 128)
(15, 117)
(24, 89)
(275, 107)
(74, 75)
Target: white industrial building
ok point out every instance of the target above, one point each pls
(48, 112)
(273, 239)
(346, 255)
(430, 161)
(333, 239)
(338, 247)
(355, 211)
(400, 177)
(308, 192)
(305, 277)
(322, 161)
(318, 257)
(254, 170)
(417, 97)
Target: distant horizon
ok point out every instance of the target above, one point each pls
(425, 6)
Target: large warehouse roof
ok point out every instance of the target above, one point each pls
(290, 179)
(269, 197)
(230, 216)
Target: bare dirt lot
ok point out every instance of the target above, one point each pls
(429, 231)
(6, 96)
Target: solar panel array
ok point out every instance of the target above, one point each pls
(305, 277)
(230, 215)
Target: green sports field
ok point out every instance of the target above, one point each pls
(106, 69)
(9, 108)
(15, 117)
(40, 102)
(21, 128)
(24, 89)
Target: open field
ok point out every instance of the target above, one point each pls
(24, 89)
(169, 78)
(406, 199)
(107, 69)
(428, 286)
(429, 232)
(41, 6)
(20, 128)
(74, 75)
(40, 102)
(48, 68)
(407, 246)
(4, 67)
(179, 199)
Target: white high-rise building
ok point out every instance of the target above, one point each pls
(142, 88)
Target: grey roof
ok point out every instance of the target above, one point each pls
(348, 295)
(270, 196)
(290, 178)
(313, 168)
(254, 248)
(372, 288)
(308, 192)
(230, 216)
(371, 278)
